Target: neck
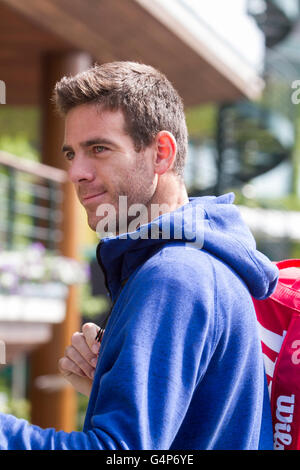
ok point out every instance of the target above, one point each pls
(168, 197)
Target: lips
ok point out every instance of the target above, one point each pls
(91, 197)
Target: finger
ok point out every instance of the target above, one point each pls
(67, 367)
(90, 331)
(75, 356)
(79, 343)
(81, 384)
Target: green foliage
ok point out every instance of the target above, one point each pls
(91, 306)
(18, 407)
(19, 131)
(295, 250)
(201, 122)
(82, 403)
(20, 120)
(19, 146)
(288, 203)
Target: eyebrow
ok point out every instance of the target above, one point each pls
(88, 143)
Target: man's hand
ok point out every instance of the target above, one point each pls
(80, 359)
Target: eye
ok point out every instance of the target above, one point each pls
(69, 155)
(99, 149)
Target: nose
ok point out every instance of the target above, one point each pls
(81, 169)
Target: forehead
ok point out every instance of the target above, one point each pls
(87, 120)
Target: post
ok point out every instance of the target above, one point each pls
(58, 408)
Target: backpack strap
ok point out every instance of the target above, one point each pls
(288, 295)
(288, 263)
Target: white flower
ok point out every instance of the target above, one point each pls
(35, 272)
(35, 265)
(7, 280)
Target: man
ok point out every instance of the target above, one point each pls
(180, 364)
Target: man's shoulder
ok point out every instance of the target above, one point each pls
(182, 255)
(177, 263)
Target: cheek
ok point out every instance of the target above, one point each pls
(128, 179)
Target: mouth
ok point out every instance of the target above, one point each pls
(92, 198)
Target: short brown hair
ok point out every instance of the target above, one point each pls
(147, 98)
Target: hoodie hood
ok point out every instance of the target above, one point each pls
(209, 223)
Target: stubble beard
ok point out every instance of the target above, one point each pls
(140, 194)
(139, 189)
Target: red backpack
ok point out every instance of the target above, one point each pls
(279, 327)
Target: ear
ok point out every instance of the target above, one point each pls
(165, 152)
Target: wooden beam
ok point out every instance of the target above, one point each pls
(138, 30)
(20, 31)
(67, 21)
(22, 44)
(58, 408)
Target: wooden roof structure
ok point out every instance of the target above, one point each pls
(111, 30)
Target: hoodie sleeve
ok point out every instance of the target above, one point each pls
(153, 354)
(18, 434)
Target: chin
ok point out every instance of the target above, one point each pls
(96, 226)
(92, 223)
(93, 226)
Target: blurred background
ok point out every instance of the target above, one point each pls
(236, 65)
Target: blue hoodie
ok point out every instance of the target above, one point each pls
(180, 364)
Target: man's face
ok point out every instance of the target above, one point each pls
(103, 163)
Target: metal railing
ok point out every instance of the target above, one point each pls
(30, 203)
